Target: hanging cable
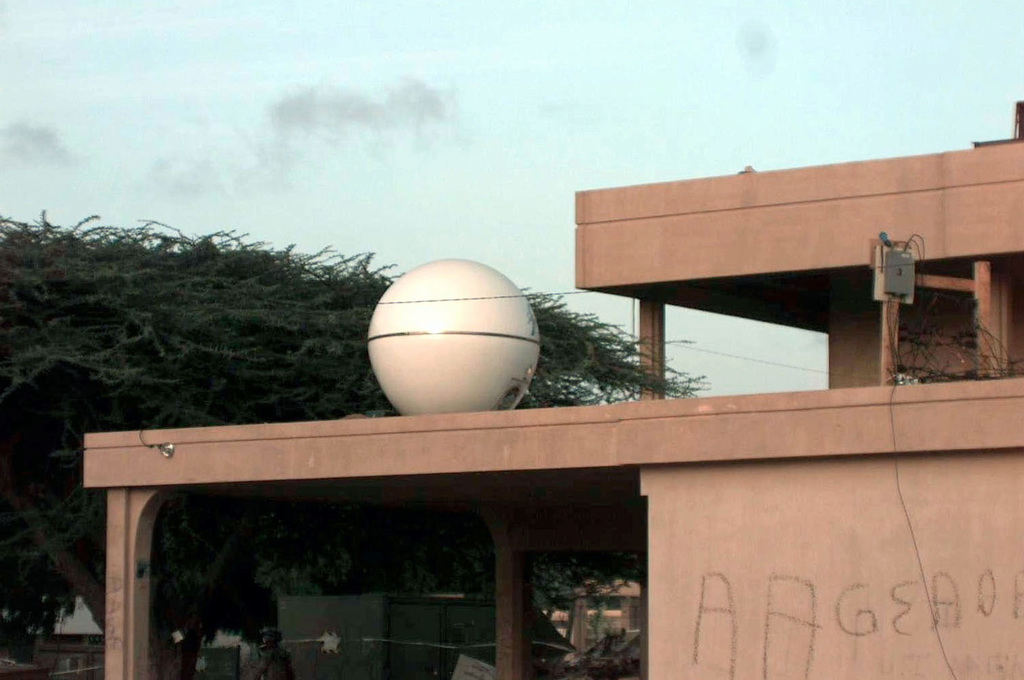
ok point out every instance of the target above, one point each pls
(891, 311)
(913, 534)
(686, 344)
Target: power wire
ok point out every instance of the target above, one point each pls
(913, 534)
(524, 293)
(892, 315)
(915, 241)
(527, 293)
(686, 344)
(514, 296)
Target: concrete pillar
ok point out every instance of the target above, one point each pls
(854, 354)
(513, 599)
(131, 514)
(652, 341)
(644, 663)
(985, 339)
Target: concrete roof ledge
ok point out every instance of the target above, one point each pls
(961, 203)
(963, 416)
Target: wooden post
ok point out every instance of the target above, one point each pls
(578, 631)
(652, 343)
(889, 345)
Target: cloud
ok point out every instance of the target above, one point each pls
(266, 158)
(756, 44)
(336, 114)
(188, 178)
(33, 144)
(235, 168)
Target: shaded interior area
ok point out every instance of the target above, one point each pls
(394, 577)
(937, 336)
(549, 487)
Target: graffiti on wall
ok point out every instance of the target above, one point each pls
(795, 615)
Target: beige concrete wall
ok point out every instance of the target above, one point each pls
(714, 517)
(963, 204)
(728, 510)
(808, 569)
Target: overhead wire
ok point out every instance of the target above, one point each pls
(893, 320)
(915, 242)
(475, 298)
(687, 344)
(913, 533)
(526, 293)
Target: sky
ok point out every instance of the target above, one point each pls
(420, 130)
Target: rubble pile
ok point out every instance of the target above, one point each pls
(616, 656)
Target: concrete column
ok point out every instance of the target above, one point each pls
(652, 341)
(513, 599)
(854, 354)
(985, 339)
(644, 663)
(1013, 300)
(131, 514)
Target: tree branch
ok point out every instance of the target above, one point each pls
(65, 563)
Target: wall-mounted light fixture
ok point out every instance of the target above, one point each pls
(166, 449)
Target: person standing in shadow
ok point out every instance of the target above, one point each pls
(275, 661)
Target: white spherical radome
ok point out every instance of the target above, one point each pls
(452, 336)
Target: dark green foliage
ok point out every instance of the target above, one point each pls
(105, 329)
(312, 548)
(585, 361)
(121, 329)
(560, 578)
(25, 578)
(163, 330)
(192, 534)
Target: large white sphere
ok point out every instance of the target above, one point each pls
(453, 336)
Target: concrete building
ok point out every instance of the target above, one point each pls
(871, 530)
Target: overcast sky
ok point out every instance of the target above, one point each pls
(420, 130)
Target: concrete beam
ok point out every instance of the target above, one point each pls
(963, 416)
(962, 203)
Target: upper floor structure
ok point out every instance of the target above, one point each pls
(802, 248)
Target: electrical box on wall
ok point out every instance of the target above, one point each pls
(899, 273)
(894, 274)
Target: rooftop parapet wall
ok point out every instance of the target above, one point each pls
(963, 203)
(975, 416)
